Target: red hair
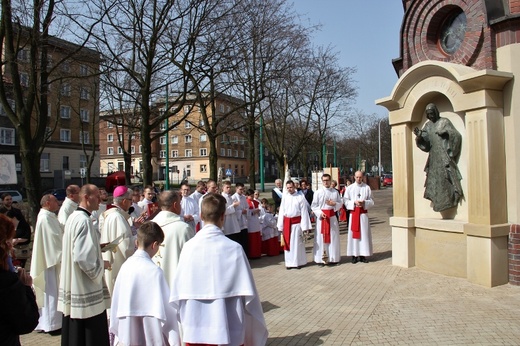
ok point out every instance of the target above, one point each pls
(7, 232)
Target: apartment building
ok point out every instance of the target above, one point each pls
(72, 107)
(186, 144)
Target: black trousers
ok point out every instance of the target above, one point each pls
(92, 331)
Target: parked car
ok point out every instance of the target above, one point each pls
(17, 196)
(60, 194)
(387, 180)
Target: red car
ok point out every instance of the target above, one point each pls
(387, 180)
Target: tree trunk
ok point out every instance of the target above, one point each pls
(31, 175)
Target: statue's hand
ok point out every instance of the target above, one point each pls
(416, 131)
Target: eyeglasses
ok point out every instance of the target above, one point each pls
(325, 179)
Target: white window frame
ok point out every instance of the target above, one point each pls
(203, 152)
(188, 138)
(84, 94)
(229, 152)
(110, 137)
(162, 140)
(83, 70)
(65, 135)
(119, 151)
(132, 149)
(65, 89)
(110, 125)
(203, 168)
(203, 137)
(84, 115)
(162, 154)
(45, 162)
(84, 137)
(187, 124)
(65, 112)
(175, 139)
(188, 153)
(7, 136)
(222, 152)
(24, 79)
(110, 150)
(175, 153)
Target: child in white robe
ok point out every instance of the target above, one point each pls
(214, 288)
(140, 313)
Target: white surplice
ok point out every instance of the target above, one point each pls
(140, 313)
(215, 293)
(176, 234)
(231, 225)
(318, 204)
(363, 246)
(190, 207)
(116, 224)
(293, 205)
(67, 207)
(45, 269)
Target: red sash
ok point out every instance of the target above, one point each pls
(355, 225)
(325, 224)
(253, 204)
(287, 223)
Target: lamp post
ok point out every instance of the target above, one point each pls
(167, 168)
(261, 159)
(379, 163)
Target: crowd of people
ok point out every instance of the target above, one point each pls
(172, 267)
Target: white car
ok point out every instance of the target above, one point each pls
(17, 196)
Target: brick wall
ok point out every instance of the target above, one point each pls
(514, 255)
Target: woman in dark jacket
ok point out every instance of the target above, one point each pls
(18, 309)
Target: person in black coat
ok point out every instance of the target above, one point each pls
(306, 190)
(18, 308)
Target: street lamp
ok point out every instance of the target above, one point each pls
(379, 163)
(167, 170)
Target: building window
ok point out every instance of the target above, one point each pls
(65, 89)
(82, 161)
(132, 149)
(175, 139)
(64, 135)
(48, 132)
(242, 154)
(222, 108)
(84, 137)
(110, 151)
(236, 153)
(201, 122)
(203, 168)
(203, 137)
(162, 140)
(84, 115)
(7, 136)
(110, 125)
(24, 79)
(229, 152)
(162, 126)
(110, 137)
(45, 160)
(187, 138)
(175, 153)
(84, 94)
(65, 163)
(187, 124)
(11, 104)
(162, 154)
(110, 167)
(203, 152)
(83, 70)
(186, 109)
(119, 150)
(222, 152)
(23, 55)
(65, 112)
(187, 153)
(235, 139)
(65, 66)
(140, 149)
(120, 137)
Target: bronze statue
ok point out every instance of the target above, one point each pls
(442, 141)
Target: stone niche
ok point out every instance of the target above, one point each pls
(471, 240)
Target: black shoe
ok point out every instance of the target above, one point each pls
(333, 264)
(363, 259)
(55, 332)
(354, 260)
(321, 265)
(288, 268)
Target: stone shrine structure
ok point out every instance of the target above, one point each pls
(464, 57)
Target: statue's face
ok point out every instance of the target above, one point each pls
(432, 114)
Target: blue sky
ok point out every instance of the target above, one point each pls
(366, 35)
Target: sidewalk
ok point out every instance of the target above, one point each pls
(375, 303)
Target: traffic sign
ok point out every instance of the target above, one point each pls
(229, 172)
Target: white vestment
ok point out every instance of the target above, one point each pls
(241, 216)
(318, 204)
(115, 225)
(196, 195)
(140, 313)
(176, 234)
(231, 225)
(363, 246)
(190, 207)
(294, 205)
(97, 216)
(269, 229)
(82, 290)
(66, 209)
(45, 269)
(215, 293)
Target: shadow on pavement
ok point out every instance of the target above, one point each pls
(300, 339)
